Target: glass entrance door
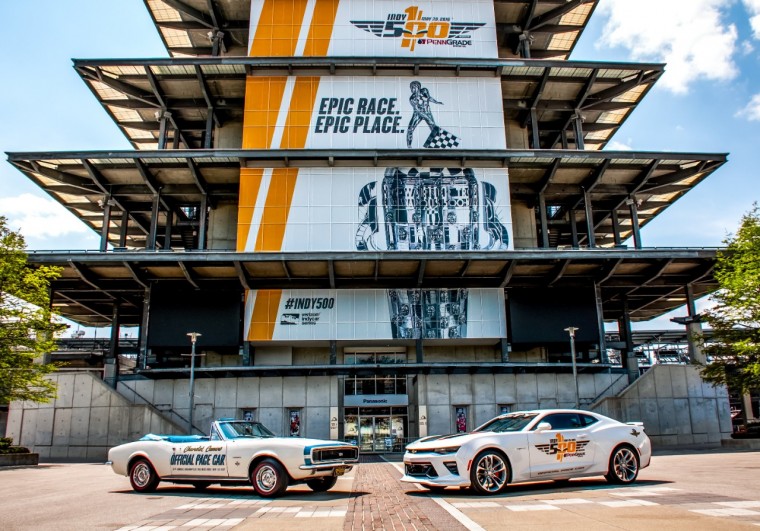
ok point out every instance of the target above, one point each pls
(376, 429)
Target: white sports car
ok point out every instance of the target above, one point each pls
(554, 444)
(236, 452)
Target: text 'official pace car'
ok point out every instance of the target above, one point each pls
(235, 452)
(557, 444)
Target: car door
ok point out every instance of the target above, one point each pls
(564, 449)
(203, 458)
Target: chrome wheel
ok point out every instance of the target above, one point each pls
(269, 479)
(141, 474)
(624, 466)
(490, 473)
(266, 478)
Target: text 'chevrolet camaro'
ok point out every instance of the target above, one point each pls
(235, 452)
(556, 444)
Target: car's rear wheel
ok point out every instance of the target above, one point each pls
(143, 477)
(624, 466)
(489, 473)
(269, 479)
(322, 484)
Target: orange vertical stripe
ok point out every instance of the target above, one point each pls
(263, 99)
(299, 114)
(322, 24)
(250, 182)
(278, 29)
(264, 315)
(275, 216)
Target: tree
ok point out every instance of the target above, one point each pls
(27, 330)
(735, 348)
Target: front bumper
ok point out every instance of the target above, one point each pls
(435, 470)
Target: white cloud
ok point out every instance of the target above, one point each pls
(618, 146)
(753, 9)
(38, 217)
(752, 110)
(689, 35)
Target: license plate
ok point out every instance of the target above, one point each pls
(339, 471)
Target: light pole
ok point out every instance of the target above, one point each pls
(571, 330)
(193, 338)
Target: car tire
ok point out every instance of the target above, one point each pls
(489, 473)
(142, 476)
(624, 466)
(269, 479)
(201, 485)
(322, 484)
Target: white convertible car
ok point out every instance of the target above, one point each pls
(555, 444)
(236, 452)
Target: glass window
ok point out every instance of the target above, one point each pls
(294, 422)
(563, 421)
(587, 420)
(460, 419)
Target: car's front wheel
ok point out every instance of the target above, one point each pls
(269, 479)
(489, 473)
(624, 466)
(322, 484)
(143, 477)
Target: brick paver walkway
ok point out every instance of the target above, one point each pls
(380, 501)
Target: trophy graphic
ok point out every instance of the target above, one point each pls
(428, 313)
(435, 209)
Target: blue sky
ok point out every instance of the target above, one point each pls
(704, 103)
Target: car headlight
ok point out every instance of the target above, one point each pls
(447, 450)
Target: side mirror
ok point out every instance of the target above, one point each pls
(543, 426)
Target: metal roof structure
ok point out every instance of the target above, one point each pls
(559, 102)
(649, 281)
(593, 188)
(550, 28)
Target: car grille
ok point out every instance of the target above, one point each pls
(327, 455)
(421, 470)
(452, 466)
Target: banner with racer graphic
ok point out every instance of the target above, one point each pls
(372, 28)
(304, 315)
(341, 112)
(374, 209)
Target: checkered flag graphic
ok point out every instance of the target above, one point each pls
(441, 139)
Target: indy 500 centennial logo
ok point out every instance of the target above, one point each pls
(413, 28)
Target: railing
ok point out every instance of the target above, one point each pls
(148, 403)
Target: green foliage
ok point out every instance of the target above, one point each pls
(26, 329)
(736, 319)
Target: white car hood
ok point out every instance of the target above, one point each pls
(442, 441)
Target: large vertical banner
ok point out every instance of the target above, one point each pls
(308, 315)
(377, 28)
(342, 112)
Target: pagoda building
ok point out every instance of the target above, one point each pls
(381, 216)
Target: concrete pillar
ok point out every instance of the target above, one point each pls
(111, 361)
(123, 229)
(616, 228)
(419, 351)
(628, 356)
(589, 219)
(142, 353)
(504, 346)
(543, 220)
(333, 352)
(694, 329)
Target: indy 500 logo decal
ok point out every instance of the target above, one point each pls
(562, 447)
(414, 28)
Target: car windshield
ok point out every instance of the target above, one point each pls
(240, 428)
(514, 422)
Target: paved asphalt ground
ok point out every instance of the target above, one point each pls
(711, 490)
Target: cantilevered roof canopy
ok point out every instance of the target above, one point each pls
(196, 95)
(652, 281)
(201, 27)
(598, 184)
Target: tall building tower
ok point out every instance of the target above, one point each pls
(381, 215)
